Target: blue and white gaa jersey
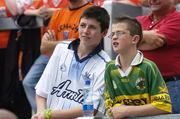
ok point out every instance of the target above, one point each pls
(63, 79)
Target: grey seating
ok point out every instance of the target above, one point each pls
(9, 23)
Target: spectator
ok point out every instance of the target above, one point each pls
(133, 83)
(63, 26)
(31, 47)
(60, 87)
(10, 87)
(161, 44)
(5, 114)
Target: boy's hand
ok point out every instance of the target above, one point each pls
(38, 116)
(119, 112)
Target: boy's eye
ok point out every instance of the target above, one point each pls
(82, 25)
(92, 27)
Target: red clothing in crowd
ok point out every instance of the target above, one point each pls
(4, 35)
(167, 57)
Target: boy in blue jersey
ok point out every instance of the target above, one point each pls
(134, 85)
(60, 87)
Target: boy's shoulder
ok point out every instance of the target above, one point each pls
(111, 64)
(63, 43)
(62, 46)
(104, 56)
(148, 63)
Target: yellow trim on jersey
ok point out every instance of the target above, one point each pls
(162, 102)
(141, 99)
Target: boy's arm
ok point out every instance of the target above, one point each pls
(70, 113)
(41, 106)
(134, 111)
(41, 103)
(60, 114)
(55, 114)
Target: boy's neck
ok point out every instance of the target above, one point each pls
(126, 59)
(83, 51)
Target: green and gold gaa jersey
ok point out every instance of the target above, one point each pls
(143, 85)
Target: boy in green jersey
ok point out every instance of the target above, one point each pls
(134, 85)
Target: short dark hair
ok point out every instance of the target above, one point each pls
(133, 25)
(98, 13)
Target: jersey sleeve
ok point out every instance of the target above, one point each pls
(49, 75)
(109, 90)
(98, 84)
(159, 96)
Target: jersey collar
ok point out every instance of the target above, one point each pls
(74, 46)
(136, 61)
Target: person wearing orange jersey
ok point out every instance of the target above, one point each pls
(62, 26)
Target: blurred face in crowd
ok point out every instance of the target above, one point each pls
(160, 5)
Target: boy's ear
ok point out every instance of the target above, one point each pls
(135, 39)
(104, 33)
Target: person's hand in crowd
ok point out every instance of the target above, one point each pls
(47, 39)
(43, 12)
(49, 36)
(154, 37)
(152, 40)
(46, 12)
